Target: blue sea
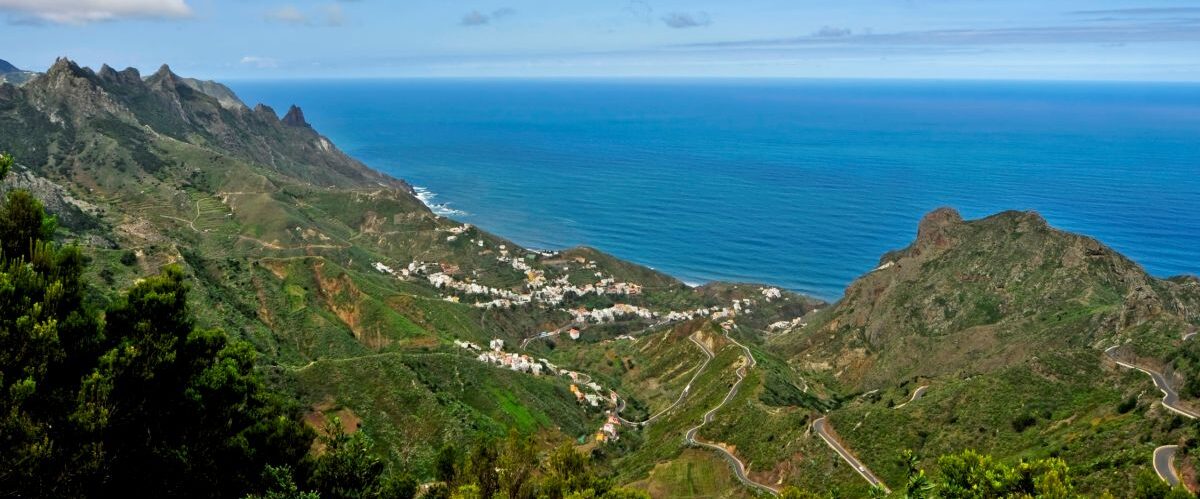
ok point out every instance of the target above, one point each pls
(797, 183)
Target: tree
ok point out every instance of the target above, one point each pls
(1147, 485)
(398, 486)
(446, 465)
(141, 403)
(515, 466)
(566, 471)
(280, 484)
(48, 339)
(481, 468)
(128, 258)
(795, 493)
(179, 409)
(917, 485)
(970, 474)
(23, 222)
(346, 469)
(467, 492)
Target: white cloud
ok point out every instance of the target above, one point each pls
(259, 62)
(832, 32)
(503, 12)
(86, 11)
(334, 15)
(474, 18)
(287, 14)
(681, 20)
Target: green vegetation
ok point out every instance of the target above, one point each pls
(695, 473)
(139, 400)
(209, 308)
(511, 468)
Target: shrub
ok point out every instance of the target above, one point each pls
(1024, 421)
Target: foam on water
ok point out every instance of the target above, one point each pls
(426, 196)
(798, 184)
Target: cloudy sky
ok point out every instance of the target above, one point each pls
(1021, 39)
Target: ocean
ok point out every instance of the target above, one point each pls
(802, 184)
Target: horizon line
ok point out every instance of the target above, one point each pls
(698, 78)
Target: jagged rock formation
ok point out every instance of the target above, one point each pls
(295, 118)
(43, 120)
(298, 248)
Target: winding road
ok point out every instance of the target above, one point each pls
(1170, 398)
(683, 394)
(820, 427)
(689, 438)
(916, 395)
(1164, 464)
(525, 342)
(1164, 456)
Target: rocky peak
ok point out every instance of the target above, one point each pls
(933, 230)
(130, 76)
(107, 72)
(126, 77)
(64, 67)
(163, 79)
(65, 79)
(295, 117)
(265, 111)
(164, 71)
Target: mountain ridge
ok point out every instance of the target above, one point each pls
(13, 75)
(366, 305)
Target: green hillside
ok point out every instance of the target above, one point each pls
(362, 305)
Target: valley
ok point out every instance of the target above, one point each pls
(995, 335)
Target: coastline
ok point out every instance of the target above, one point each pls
(763, 191)
(426, 196)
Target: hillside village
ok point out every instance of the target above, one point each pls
(553, 295)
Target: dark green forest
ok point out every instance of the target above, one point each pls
(133, 399)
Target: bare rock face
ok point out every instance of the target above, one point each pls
(127, 76)
(55, 112)
(72, 213)
(295, 117)
(934, 230)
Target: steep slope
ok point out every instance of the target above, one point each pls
(983, 294)
(354, 293)
(69, 106)
(1005, 321)
(368, 306)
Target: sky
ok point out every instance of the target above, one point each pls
(1155, 40)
